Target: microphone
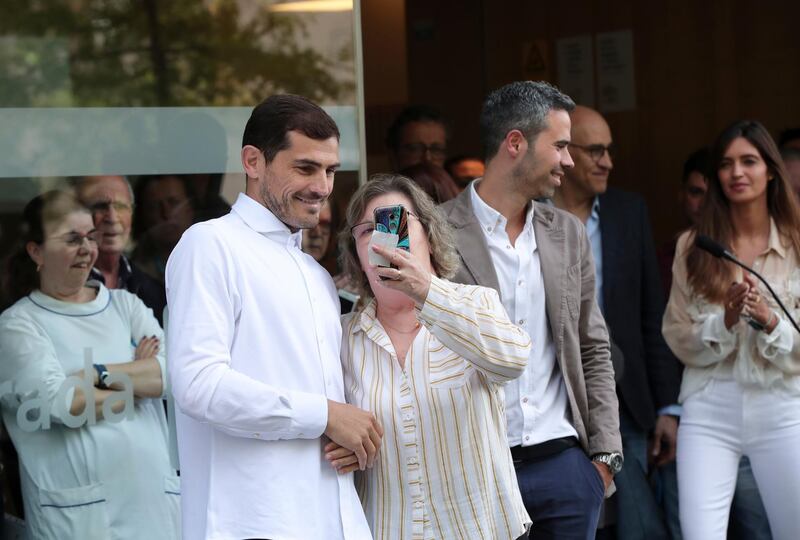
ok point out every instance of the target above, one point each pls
(707, 244)
(710, 246)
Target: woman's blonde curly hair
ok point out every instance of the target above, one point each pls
(444, 258)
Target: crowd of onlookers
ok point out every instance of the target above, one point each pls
(705, 365)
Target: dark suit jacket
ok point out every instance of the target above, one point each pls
(578, 330)
(634, 305)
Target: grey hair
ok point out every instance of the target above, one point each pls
(440, 233)
(79, 183)
(522, 105)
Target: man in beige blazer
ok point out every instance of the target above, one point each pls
(562, 413)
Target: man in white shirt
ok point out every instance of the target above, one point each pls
(253, 349)
(563, 424)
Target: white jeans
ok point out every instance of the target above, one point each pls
(718, 425)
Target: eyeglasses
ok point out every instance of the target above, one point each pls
(103, 207)
(365, 228)
(420, 149)
(596, 151)
(75, 240)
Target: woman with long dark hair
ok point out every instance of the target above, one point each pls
(741, 386)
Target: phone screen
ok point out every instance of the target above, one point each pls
(393, 220)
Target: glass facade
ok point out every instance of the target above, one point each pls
(138, 108)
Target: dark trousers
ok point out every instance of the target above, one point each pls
(562, 493)
(638, 513)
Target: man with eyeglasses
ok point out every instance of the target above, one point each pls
(110, 200)
(629, 295)
(417, 135)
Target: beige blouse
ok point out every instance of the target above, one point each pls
(444, 469)
(695, 329)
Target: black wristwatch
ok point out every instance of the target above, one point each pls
(102, 376)
(612, 460)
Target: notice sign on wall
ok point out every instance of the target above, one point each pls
(616, 86)
(575, 64)
(598, 71)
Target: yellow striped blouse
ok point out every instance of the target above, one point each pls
(444, 469)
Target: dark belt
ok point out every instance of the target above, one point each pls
(537, 452)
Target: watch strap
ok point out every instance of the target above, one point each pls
(102, 373)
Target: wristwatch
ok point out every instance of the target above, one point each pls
(612, 460)
(102, 376)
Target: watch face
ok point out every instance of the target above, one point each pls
(615, 463)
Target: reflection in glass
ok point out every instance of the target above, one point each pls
(183, 52)
(81, 379)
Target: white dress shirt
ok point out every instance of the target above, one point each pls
(537, 409)
(253, 351)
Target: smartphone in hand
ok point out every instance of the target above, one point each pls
(393, 220)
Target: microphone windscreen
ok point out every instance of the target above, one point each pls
(707, 244)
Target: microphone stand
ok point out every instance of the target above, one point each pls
(734, 260)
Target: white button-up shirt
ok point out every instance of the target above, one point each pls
(253, 351)
(537, 409)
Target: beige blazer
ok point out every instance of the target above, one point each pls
(577, 326)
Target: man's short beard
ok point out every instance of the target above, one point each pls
(282, 210)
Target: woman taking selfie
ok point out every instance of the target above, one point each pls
(429, 358)
(741, 385)
(81, 372)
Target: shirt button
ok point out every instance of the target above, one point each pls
(508, 246)
(524, 400)
(257, 435)
(417, 504)
(521, 321)
(527, 438)
(488, 229)
(521, 283)
(412, 461)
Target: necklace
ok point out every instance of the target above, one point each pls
(416, 327)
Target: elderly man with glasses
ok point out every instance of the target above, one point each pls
(630, 296)
(110, 200)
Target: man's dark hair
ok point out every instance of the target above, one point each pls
(413, 113)
(696, 162)
(790, 153)
(272, 120)
(522, 105)
(787, 136)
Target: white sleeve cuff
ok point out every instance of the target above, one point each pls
(779, 341)
(716, 336)
(310, 416)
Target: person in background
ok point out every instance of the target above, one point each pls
(93, 460)
(562, 413)
(204, 192)
(317, 241)
(417, 135)
(791, 159)
(691, 197)
(164, 211)
(110, 199)
(464, 169)
(433, 180)
(741, 384)
(430, 358)
(630, 297)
